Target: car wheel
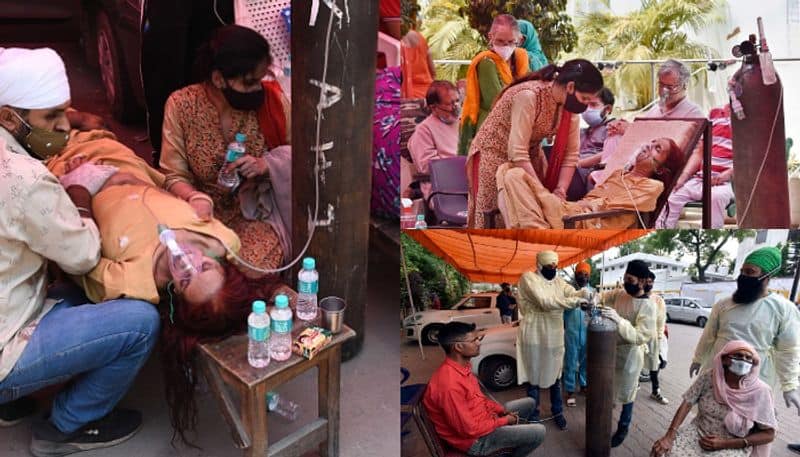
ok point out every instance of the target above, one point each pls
(430, 334)
(668, 319)
(701, 321)
(112, 74)
(498, 372)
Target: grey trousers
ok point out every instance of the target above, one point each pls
(523, 439)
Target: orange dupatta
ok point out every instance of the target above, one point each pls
(472, 101)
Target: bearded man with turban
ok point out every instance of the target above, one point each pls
(543, 296)
(635, 315)
(575, 338)
(766, 320)
(41, 328)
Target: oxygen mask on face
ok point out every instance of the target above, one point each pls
(184, 259)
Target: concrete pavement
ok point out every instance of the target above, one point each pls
(650, 419)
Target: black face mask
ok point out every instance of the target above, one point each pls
(573, 105)
(244, 101)
(748, 289)
(581, 281)
(548, 272)
(632, 289)
(647, 288)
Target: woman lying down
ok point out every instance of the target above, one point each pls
(525, 203)
(129, 206)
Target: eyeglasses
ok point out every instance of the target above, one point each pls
(671, 88)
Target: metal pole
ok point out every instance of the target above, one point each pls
(793, 295)
(653, 80)
(333, 93)
(411, 298)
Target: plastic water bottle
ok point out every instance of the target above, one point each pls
(258, 346)
(281, 406)
(280, 342)
(307, 287)
(407, 218)
(230, 179)
(421, 224)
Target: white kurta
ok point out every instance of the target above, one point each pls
(635, 330)
(771, 325)
(540, 340)
(654, 346)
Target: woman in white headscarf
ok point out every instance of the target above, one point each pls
(543, 297)
(736, 414)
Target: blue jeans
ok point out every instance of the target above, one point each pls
(556, 402)
(100, 347)
(522, 438)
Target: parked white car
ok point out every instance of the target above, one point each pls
(496, 365)
(687, 309)
(480, 309)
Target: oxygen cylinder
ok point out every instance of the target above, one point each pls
(762, 192)
(601, 355)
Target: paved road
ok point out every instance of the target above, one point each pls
(650, 419)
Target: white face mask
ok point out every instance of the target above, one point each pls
(504, 51)
(593, 117)
(740, 367)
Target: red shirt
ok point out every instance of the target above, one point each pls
(460, 412)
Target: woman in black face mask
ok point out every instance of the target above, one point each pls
(201, 120)
(537, 106)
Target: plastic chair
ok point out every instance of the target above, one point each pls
(449, 190)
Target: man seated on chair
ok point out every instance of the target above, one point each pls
(462, 415)
(437, 136)
(673, 81)
(525, 203)
(689, 186)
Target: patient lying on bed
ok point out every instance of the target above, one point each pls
(525, 203)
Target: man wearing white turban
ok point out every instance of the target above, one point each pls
(543, 297)
(51, 335)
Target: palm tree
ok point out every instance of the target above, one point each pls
(656, 31)
(450, 36)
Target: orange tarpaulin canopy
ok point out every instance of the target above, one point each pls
(489, 255)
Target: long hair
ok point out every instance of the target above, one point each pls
(192, 324)
(584, 74)
(669, 170)
(233, 50)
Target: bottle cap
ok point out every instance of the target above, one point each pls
(161, 228)
(281, 301)
(259, 307)
(420, 217)
(240, 137)
(309, 263)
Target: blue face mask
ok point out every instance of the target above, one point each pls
(593, 117)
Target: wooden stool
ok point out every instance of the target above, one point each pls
(225, 364)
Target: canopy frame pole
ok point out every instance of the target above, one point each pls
(411, 299)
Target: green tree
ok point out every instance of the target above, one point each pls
(656, 31)
(450, 36)
(429, 274)
(704, 245)
(554, 26)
